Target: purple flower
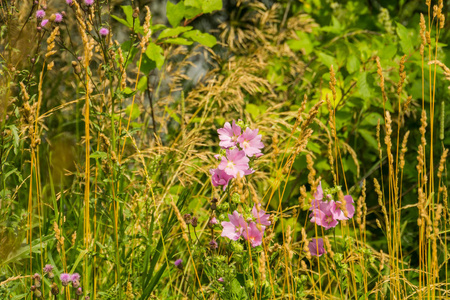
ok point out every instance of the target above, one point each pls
(65, 279)
(250, 142)
(228, 135)
(89, 2)
(213, 245)
(178, 263)
(219, 177)
(58, 18)
(260, 215)
(337, 212)
(235, 163)
(75, 276)
(48, 268)
(213, 221)
(40, 14)
(234, 228)
(220, 279)
(69, 2)
(104, 31)
(323, 216)
(44, 22)
(253, 234)
(316, 247)
(318, 202)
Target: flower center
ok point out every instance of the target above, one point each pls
(234, 138)
(230, 165)
(245, 144)
(329, 219)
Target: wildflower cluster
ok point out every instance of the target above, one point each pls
(239, 146)
(65, 278)
(327, 213)
(251, 229)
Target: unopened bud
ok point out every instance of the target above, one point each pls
(136, 12)
(55, 289)
(194, 221)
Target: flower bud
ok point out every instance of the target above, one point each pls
(136, 12)
(55, 289)
(194, 222)
(187, 218)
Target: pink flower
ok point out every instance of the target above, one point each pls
(234, 228)
(250, 142)
(337, 212)
(44, 22)
(58, 18)
(229, 135)
(40, 14)
(69, 2)
(65, 278)
(104, 31)
(75, 276)
(317, 202)
(213, 221)
(316, 247)
(260, 215)
(235, 163)
(89, 2)
(253, 234)
(323, 216)
(219, 177)
(220, 279)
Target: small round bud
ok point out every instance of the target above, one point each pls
(136, 12)
(187, 218)
(194, 222)
(55, 289)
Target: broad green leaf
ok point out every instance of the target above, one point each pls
(142, 84)
(203, 38)
(178, 41)
(133, 111)
(352, 64)
(363, 86)
(405, 38)
(172, 32)
(175, 12)
(211, 5)
(367, 135)
(155, 53)
(372, 119)
(327, 60)
(192, 8)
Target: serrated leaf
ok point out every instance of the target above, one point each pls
(175, 12)
(203, 38)
(211, 5)
(172, 32)
(178, 41)
(155, 53)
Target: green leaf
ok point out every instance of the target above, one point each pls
(352, 64)
(327, 60)
(192, 8)
(133, 111)
(155, 53)
(172, 32)
(368, 137)
(363, 86)
(173, 114)
(99, 154)
(79, 258)
(203, 38)
(175, 12)
(120, 20)
(211, 5)
(405, 38)
(142, 84)
(178, 41)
